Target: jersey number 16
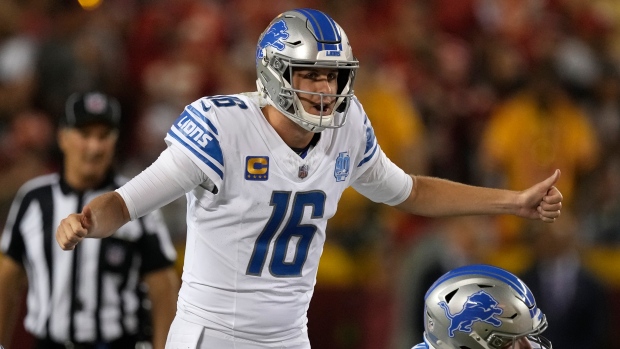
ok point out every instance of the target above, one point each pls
(304, 233)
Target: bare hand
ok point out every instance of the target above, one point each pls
(542, 201)
(74, 229)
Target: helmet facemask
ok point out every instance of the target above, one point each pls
(504, 340)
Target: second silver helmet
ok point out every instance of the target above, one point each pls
(481, 307)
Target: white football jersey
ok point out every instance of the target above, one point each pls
(254, 243)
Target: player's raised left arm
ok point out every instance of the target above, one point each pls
(436, 197)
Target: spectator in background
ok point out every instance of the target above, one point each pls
(83, 51)
(600, 207)
(92, 296)
(604, 112)
(534, 131)
(575, 301)
(25, 152)
(599, 195)
(17, 63)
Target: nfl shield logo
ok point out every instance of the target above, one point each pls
(303, 171)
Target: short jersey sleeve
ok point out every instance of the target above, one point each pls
(197, 133)
(376, 177)
(384, 182)
(370, 146)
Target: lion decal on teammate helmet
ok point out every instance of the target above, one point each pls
(480, 306)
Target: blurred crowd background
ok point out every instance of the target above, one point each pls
(487, 92)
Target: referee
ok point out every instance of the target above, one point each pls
(93, 296)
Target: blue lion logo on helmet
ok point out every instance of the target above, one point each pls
(273, 37)
(480, 306)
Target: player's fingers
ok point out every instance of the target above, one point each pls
(552, 179)
(553, 196)
(86, 219)
(550, 207)
(76, 226)
(70, 232)
(62, 239)
(547, 219)
(548, 215)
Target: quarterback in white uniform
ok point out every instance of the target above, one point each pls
(254, 246)
(263, 172)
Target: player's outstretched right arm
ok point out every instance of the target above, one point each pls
(100, 218)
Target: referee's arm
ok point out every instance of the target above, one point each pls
(163, 288)
(100, 218)
(13, 283)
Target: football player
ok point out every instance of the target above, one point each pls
(263, 172)
(482, 307)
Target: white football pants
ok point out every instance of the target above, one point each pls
(187, 335)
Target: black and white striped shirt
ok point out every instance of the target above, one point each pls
(93, 292)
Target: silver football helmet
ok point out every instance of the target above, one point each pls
(482, 306)
(298, 39)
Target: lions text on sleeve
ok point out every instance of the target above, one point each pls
(254, 242)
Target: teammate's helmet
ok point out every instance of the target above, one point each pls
(297, 39)
(481, 306)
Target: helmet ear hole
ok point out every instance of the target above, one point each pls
(343, 79)
(288, 76)
(450, 295)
